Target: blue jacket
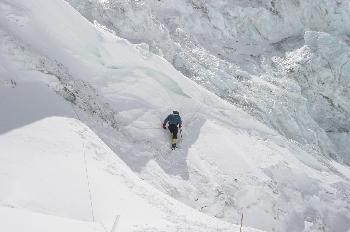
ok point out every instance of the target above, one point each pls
(173, 119)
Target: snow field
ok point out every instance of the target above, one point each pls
(46, 175)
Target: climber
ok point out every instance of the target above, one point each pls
(175, 122)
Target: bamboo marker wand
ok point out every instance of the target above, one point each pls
(240, 229)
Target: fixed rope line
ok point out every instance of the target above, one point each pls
(114, 227)
(75, 112)
(88, 182)
(89, 187)
(147, 128)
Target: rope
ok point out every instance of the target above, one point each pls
(90, 197)
(147, 128)
(75, 112)
(88, 182)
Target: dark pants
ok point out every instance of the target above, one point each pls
(173, 129)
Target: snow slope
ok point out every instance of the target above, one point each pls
(53, 62)
(229, 47)
(23, 220)
(74, 177)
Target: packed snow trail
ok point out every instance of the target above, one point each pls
(228, 163)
